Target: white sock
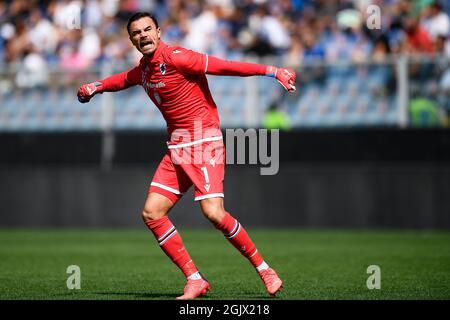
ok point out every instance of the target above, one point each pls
(262, 266)
(195, 276)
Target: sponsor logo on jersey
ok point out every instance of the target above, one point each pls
(157, 85)
(162, 68)
(176, 51)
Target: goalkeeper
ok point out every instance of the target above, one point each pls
(175, 80)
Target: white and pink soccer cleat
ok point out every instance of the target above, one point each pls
(271, 280)
(194, 289)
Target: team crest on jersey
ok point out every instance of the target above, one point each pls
(162, 68)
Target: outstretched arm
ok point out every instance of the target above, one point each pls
(216, 66)
(193, 62)
(113, 83)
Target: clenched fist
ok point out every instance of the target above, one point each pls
(87, 91)
(286, 77)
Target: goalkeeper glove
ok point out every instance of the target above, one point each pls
(286, 77)
(87, 91)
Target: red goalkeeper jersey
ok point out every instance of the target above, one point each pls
(174, 79)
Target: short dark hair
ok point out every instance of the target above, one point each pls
(139, 15)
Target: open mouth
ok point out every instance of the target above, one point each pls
(146, 44)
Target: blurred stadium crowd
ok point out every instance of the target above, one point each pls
(327, 30)
(38, 35)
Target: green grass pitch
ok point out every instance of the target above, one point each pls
(128, 264)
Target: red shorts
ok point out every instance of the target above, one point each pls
(201, 164)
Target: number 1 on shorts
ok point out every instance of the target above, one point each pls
(205, 173)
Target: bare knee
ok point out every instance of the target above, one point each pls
(152, 213)
(156, 206)
(213, 209)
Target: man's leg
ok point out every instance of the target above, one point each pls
(156, 208)
(214, 210)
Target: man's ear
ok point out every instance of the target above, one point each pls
(159, 33)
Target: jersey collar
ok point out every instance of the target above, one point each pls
(161, 46)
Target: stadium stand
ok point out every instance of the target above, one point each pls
(348, 74)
